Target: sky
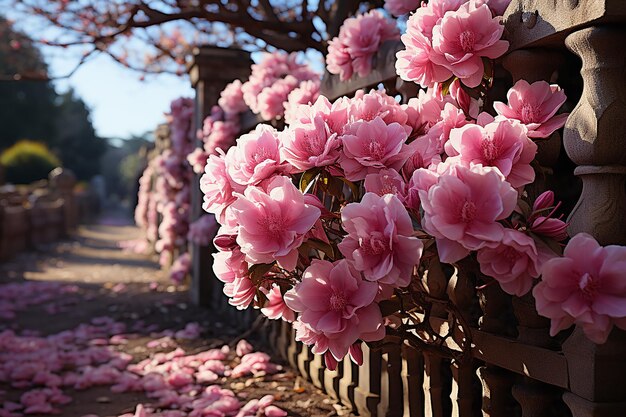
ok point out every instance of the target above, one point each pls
(121, 104)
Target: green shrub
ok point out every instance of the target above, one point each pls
(28, 161)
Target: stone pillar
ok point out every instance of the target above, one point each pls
(62, 180)
(595, 139)
(595, 134)
(212, 69)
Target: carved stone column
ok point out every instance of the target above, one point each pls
(497, 386)
(595, 134)
(212, 69)
(595, 139)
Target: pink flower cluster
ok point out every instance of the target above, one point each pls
(165, 189)
(272, 80)
(447, 39)
(202, 231)
(146, 213)
(359, 39)
(219, 130)
(585, 286)
(180, 268)
(324, 219)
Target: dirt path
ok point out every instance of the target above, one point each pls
(70, 283)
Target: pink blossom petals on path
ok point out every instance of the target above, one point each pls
(41, 374)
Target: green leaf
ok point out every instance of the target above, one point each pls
(331, 185)
(525, 208)
(445, 86)
(353, 188)
(552, 244)
(322, 246)
(308, 178)
(257, 272)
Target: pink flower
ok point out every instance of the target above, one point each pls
(306, 94)
(217, 187)
(439, 134)
(271, 101)
(197, 159)
(358, 41)
(255, 157)
(544, 201)
(379, 241)
(372, 146)
(309, 145)
(273, 222)
(400, 7)
(386, 181)
(337, 303)
(465, 102)
(501, 144)
(221, 135)
(415, 63)
(338, 60)
(462, 38)
(228, 265)
(377, 103)
(231, 98)
(241, 292)
(535, 105)
(462, 210)
(202, 231)
(513, 262)
(424, 111)
(586, 286)
(550, 227)
(421, 180)
(273, 68)
(243, 348)
(335, 115)
(180, 268)
(275, 307)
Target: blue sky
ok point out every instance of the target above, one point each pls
(121, 104)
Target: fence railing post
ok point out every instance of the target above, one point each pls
(595, 139)
(62, 180)
(212, 69)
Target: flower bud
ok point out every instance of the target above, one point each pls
(554, 228)
(544, 201)
(225, 242)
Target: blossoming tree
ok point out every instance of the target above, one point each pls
(159, 36)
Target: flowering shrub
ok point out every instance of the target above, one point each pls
(272, 81)
(331, 222)
(447, 39)
(344, 208)
(359, 39)
(165, 190)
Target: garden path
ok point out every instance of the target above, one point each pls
(137, 313)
